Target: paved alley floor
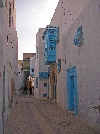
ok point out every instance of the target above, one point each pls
(31, 116)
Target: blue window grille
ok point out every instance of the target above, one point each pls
(78, 40)
(45, 84)
(36, 82)
(50, 38)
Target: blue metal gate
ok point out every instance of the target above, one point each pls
(72, 90)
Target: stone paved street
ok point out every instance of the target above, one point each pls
(31, 116)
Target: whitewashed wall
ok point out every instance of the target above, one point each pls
(1, 74)
(36, 70)
(40, 67)
(20, 79)
(8, 63)
(31, 65)
(85, 58)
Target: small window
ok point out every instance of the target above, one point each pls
(45, 84)
(36, 82)
(32, 69)
(45, 95)
(7, 40)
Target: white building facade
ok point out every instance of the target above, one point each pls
(77, 58)
(32, 65)
(32, 68)
(41, 70)
(8, 60)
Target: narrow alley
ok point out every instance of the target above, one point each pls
(51, 48)
(31, 116)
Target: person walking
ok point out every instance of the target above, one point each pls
(30, 89)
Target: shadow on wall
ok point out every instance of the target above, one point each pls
(13, 92)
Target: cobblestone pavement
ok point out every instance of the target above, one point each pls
(31, 116)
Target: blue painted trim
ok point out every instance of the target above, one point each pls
(72, 90)
(43, 75)
(45, 95)
(78, 40)
(31, 74)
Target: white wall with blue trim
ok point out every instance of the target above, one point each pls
(83, 54)
(41, 70)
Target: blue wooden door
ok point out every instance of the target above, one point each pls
(71, 93)
(72, 90)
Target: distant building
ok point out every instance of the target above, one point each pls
(41, 70)
(26, 61)
(32, 65)
(26, 65)
(8, 60)
(20, 62)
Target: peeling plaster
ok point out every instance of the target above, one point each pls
(97, 107)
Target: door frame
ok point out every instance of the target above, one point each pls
(71, 72)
